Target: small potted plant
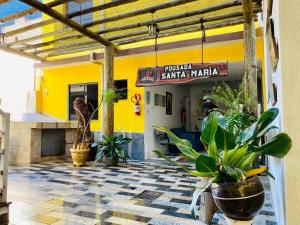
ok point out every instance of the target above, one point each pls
(80, 149)
(111, 149)
(227, 167)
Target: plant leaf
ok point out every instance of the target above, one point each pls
(193, 173)
(183, 145)
(205, 164)
(99, 155)
(224, 140)
(256, 171)
(205, 183)
(270, 175)
(266, 118)
(262, 133)
(208, 136)
(278, 146)
(209, 129)
(247, 134)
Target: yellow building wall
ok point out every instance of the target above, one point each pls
(54, 84)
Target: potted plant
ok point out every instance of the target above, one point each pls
(80, 149)
(111, 148)
(227, 167)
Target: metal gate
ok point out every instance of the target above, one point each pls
(4, 146)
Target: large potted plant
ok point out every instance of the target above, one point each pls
(80, 149)
(227, 167)
(82, 145)
(111, 149)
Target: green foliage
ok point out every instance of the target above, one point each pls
(111, 96)
(112, 146)
(229, 158)
(236, 107)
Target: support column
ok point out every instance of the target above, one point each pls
(250, 75)
(108, 83)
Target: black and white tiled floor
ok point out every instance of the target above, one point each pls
(137, 193)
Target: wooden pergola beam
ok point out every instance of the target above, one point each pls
(29, 27)
(170, 18)
(43, 44)
(181, 31)
(45, 9)
(136, 25)
(100, 7)
(72, 45)
(134, 40)
(193, 22)
(5, 48)
(140, 12)
(180, 25)
(168, 27)
(31, 11)
(37, 37)
(191, 43)
(74, 50)
(164, 28)
(184, 24)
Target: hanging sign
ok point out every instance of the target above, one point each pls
(176, 74)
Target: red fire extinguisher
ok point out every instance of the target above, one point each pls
(137, 109)
(137, 106)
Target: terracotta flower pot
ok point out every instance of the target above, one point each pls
(108, 161)
(239, 201)
(79, 157)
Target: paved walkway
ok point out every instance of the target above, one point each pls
(136, 193)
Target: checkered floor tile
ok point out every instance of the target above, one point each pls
(150, 192)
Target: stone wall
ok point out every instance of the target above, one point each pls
(26, 139)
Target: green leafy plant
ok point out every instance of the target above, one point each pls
(235, 104)
(111, 96)
(112, 147)
(229, 158)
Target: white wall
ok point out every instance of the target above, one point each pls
(17, 73)
(276, 166)
(16, 80)
(156, 115)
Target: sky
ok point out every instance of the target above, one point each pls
(16, 80)
(12, 7)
